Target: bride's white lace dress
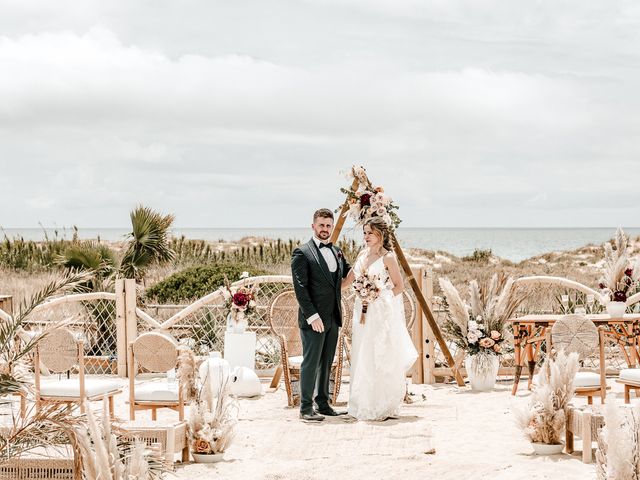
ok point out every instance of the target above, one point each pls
(382, 352)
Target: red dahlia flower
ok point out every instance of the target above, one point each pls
(241, 299)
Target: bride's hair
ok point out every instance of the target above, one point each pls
(379, 226)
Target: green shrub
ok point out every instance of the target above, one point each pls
(196, 282)
(478, 255)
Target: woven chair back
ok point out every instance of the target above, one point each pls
(575, 333)
(283, 317)
(409, 309)
(59, 350)
(155, 352)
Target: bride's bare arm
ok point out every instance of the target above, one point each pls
(391, 262)
(348, 280)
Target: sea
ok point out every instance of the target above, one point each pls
(515, 244)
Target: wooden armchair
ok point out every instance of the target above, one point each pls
(156, 353)
(283, 320)
(576, 333)
(61, 352)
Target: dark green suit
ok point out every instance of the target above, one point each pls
(318, 292)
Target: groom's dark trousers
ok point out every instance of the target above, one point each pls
(318, 291)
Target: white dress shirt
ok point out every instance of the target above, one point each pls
(332, 263)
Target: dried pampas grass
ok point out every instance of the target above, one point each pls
(618, 453)
(542, 420)
(186, 374)
(107, 455)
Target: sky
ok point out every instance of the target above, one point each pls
(247, 113)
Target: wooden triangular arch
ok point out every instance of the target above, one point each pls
(362, 178)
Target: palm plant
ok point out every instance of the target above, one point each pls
(13, 368)
(149, 242)
(93, 256)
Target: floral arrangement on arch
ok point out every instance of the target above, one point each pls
(367, 201)
(481, 328)
(620, 279)
(239, 301)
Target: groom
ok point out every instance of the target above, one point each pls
(318, 268)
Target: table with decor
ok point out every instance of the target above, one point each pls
(529, 333)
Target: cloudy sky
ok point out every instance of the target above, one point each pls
(243, 113)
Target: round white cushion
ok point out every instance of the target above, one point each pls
(631, 374)
(586, 379)
(295, 361)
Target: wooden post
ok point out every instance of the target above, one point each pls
(339, 223)
(417, 375)
(426, 309)
(121, 327)
(131, 320)
(6, 304)
(428, 339)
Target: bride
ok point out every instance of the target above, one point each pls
(382, 350)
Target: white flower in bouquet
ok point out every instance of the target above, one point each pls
(473, 336)
(472, 325)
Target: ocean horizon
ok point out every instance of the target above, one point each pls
(514, 244)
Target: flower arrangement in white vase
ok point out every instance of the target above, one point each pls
(240, 303)
(212, 421)
(480, 328)
(620, 279)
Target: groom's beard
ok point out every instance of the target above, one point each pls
(324, 235)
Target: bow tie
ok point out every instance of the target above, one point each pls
(325, 245)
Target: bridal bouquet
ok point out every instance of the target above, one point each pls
(367, 201)
(367, 287)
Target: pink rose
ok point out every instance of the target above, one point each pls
(495, 335)
(497, 348)
(487, 342)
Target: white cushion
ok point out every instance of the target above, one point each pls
(156, 392)
(70, 387)
(586, 379)
(631, 374)
(295, 361)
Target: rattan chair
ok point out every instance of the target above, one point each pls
(576, 333)
(155, 353)
(283, 320)
(61, 352)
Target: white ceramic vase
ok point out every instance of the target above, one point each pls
(207, 457)
(214, 371)
(482, 379)
(616, 309)
(237, 325)
(546, 449)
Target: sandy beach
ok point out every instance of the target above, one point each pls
(447, 432)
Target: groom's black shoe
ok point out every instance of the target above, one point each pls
(311, 416)
(329, 412)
